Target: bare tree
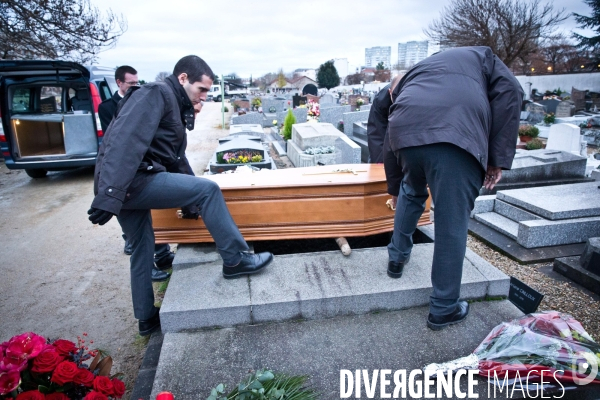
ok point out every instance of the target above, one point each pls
(161, 76)
(56, 29)
(511, 28)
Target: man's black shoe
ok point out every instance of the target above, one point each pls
(250, 264)
(395, 268)
(147, 326)
(128, 249)
(439, 322)
(159, 276)
(165, 261)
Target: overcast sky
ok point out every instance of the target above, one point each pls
(256, 37)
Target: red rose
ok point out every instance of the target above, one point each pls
(57, 396)
(64, 373)
(118, 388)
(25, 346)
(84, 377)
(8, 364)
(103, 385)
(31, 395)
(95, 396)
(46, 361)
(9, 381)
(64, 347)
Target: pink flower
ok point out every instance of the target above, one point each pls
(8, 364)
(25, 346)
(9, 381)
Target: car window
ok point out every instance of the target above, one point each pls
(50, 99)
(104, 90)
(21, 100)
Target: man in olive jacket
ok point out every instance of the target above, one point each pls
(454, 121)
(141, 165)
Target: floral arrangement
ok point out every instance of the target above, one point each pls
(359, 102)
(534, 144)
(340, 126)
(267, 385)
(529, 130)
(549, 118)
(256, 102)
(549, 341)
(313, 109)
(35, 368)
(319, 150)
(238, 157)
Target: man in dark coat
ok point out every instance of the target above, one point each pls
(126, 77)
(141, 165)
(454, 122)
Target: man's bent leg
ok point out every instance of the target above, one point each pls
(410, 206)
(168, 190)
(454, 177)
(137, 225)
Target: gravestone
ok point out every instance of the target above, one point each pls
(541, 167)
(550, 105)
(300, 113)
(246, 148)
(565, 137)
(299, 101)
(353, 98)
(333, 115)
(536, 113)
(352, 117)
(313, 135)
(272, 106)
(249, 118)
(578, 98)
(590, 259)
(255, 130)
(565, 109)
(327, 99)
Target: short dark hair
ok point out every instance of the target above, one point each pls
(122, 70)
(194, 67)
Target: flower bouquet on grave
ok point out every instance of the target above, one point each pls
(34, 368)
(548, 345)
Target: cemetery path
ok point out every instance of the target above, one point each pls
(61, 275)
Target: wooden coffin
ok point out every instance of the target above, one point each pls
(294, 203)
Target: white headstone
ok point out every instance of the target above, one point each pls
(565, 137)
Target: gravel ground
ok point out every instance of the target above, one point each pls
(559, 295)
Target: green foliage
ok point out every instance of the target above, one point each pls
(290, 120)
(327, 76)
(226, 109)
(265, 385)
(534, 144)
(220, 158)
(256, 102)
(592, 22)
(380, 66)
(529, 130)
(549, 119)
(281, 81)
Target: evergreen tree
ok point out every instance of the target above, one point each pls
(327, 76)
(380, 66)
(592, 22)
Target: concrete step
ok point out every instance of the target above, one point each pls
(500, 223)
(308, 286)
(513, 212)
(192, 363)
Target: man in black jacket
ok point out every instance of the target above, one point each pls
(454, 121)
(126, 77)
(141, 165)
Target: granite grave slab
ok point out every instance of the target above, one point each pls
(333, 115)
(350, 118)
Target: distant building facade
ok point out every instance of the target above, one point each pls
(410, 53)
(375, 55)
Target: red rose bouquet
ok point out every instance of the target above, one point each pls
(34, 368)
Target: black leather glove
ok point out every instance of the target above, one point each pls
(99, 217)
(190, 212)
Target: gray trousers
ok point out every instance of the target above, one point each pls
(167, 190)
(454, 177)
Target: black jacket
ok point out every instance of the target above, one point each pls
(147, 135)
(465, 96)
(378, 123)
(107, 109)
